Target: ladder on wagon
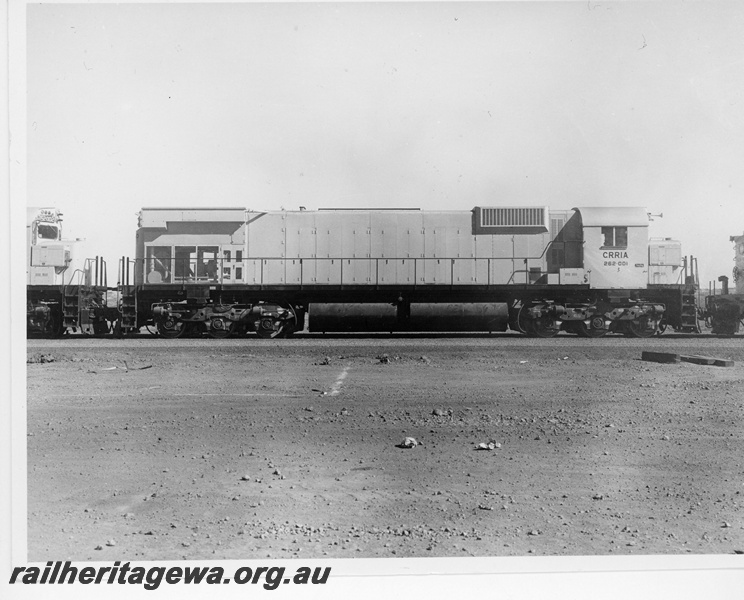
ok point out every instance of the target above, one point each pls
(689, 291)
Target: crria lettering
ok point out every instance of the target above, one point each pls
(614, 255)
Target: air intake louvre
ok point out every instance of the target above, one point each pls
(510, 220)
(512, 217)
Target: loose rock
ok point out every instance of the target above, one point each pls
(488, 446)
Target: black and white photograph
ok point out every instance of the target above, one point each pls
(375, 298)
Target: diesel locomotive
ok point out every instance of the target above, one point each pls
(224, 271)
(63, 291)
(724, 312)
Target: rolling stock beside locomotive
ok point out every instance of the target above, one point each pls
(589, 271)
(63, 292)
(724, 312)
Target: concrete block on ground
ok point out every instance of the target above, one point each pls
(706, 360)
(660, 357)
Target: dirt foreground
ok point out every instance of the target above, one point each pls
(150, 449)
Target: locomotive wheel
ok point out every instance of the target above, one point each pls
(642, 328)
(170, 328)
(220, 328)
(544, 327)
(268, 328)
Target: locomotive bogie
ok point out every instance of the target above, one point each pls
(173, 319)
(547, 319)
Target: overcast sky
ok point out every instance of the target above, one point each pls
(430, 105)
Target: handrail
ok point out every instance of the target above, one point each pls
(123, 279)
(190, 271)
(79, 272)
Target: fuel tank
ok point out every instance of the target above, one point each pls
(352, 317)
(424, 316)
(470, 316)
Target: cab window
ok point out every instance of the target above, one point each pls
(615, 237)
(47, 231)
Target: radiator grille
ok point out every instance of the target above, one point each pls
(512, 217)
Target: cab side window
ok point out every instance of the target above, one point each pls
(615, 237)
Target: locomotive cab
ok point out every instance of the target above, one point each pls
(48, 256)
(194, 246)
(615, 247)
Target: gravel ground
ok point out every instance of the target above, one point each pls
(150, 449)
